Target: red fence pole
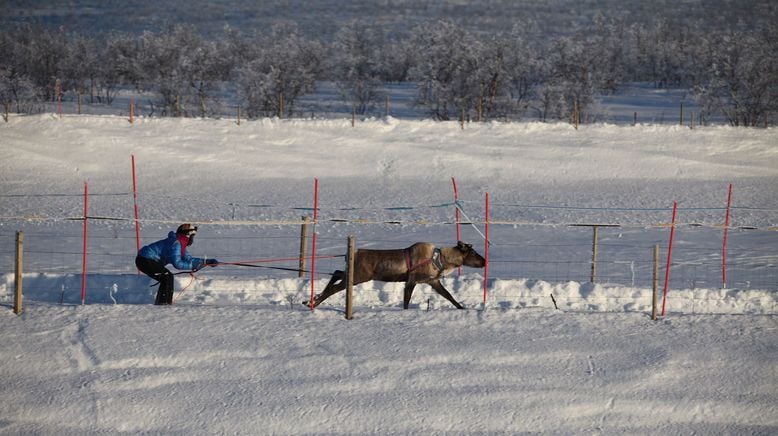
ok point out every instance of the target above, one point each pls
(669, 256)
(486, 249)
(726, 231)
(135, 201)
(83, 272)
(456, 209)
(313, 240)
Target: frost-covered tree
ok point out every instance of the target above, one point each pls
(487, 72)
(605, 43)
(488, 76)
(742, 81)
(172, 63)
(355, 64)
(566, 81)
(661, 50)
(38, 54)
(121, 64)
(81, 66)
(395, 60)
(447, 68)
(208, 69)
(285, 67)
(16, 92)
(521, 70)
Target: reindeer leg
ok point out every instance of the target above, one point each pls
(336, 284)
(409, 285)
(438, 287)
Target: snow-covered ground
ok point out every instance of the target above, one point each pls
(238, 353)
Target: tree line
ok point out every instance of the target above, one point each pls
(500, 75)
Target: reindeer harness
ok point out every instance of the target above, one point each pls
(436, 261)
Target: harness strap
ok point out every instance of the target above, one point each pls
(436, 261)
(408, 266)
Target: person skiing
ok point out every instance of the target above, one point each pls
(153, 259)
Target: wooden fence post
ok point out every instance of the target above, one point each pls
(726, 232)
(595, 244)
(576, 117)
(350, 277)
(58, 95)
(18, 275)
(680, 119)
(387, 106)
(238, 115)
(655, 287)
(303, 245)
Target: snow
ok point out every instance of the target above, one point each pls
(239, 354)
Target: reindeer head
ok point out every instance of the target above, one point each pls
(469, 256)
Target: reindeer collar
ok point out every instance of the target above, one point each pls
(436, 261)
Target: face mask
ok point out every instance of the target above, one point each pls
(191, 240)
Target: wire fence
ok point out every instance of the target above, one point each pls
(527, 264)
(612, 247)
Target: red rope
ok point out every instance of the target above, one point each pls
(192, 280)
(194, 277)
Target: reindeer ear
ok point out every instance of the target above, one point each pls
(462, 246)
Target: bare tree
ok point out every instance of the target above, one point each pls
(285, 67)
(742, 83)
(355, 65)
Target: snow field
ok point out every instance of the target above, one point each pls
(237, 354)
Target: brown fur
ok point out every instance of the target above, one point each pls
(392, 266)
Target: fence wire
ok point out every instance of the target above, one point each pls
(526, 264)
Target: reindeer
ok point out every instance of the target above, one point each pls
(422, 262)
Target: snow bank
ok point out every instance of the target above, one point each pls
(468, 289)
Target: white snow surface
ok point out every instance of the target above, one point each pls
(239, 354)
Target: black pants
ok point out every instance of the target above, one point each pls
(158, 272)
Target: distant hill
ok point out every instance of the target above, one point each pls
(321, 18)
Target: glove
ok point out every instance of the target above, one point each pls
(211, 262)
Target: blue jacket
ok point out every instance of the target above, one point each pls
(168, 251)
